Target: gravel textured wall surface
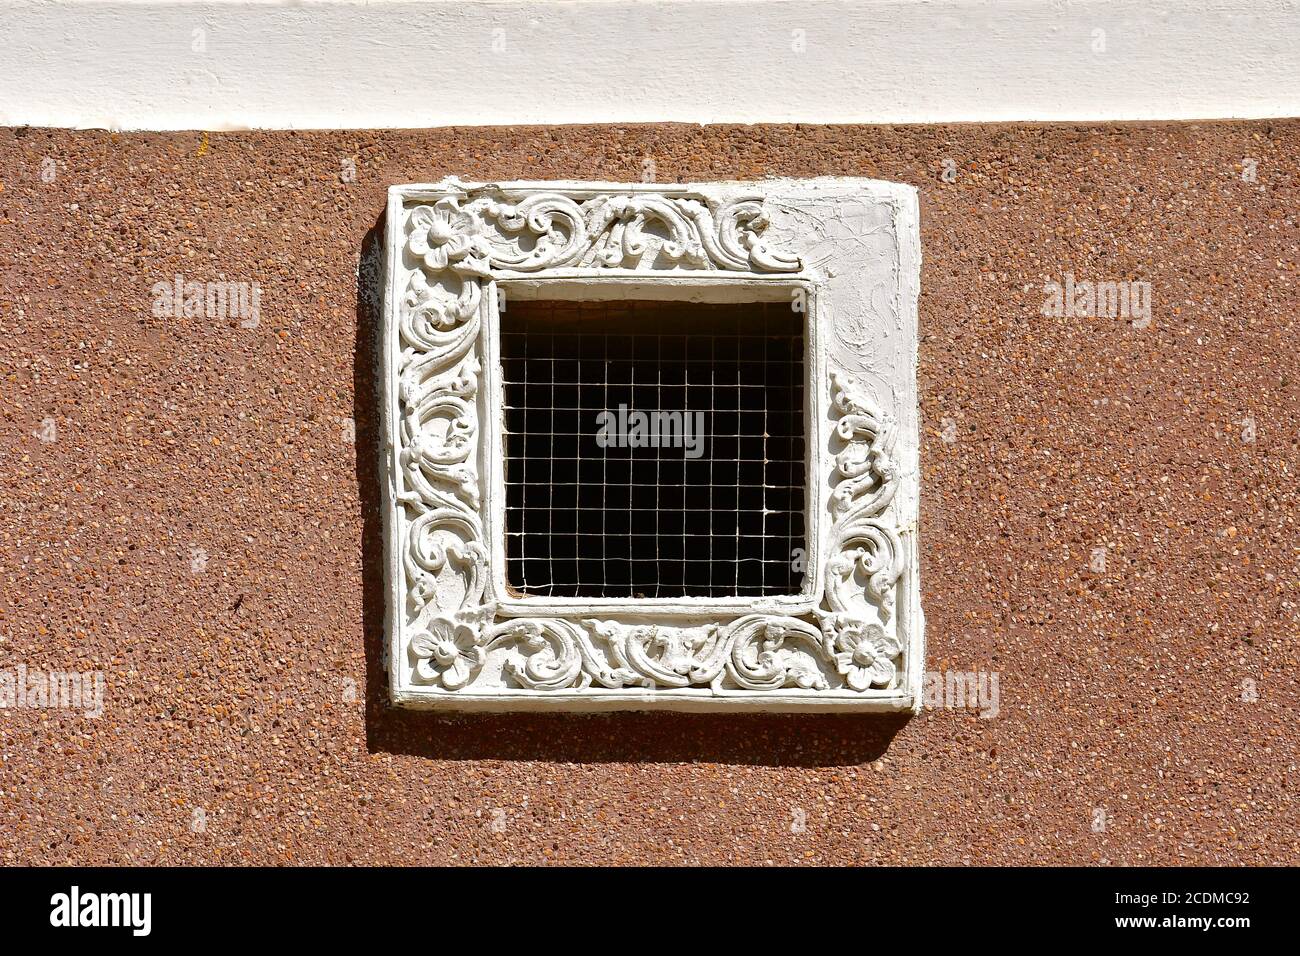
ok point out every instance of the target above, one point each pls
(184, 507)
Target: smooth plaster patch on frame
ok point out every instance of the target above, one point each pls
(848, 250)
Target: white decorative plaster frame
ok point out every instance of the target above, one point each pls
(846, 250)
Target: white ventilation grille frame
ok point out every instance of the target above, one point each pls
(843, 253)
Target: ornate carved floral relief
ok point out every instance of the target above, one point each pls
(451, 644)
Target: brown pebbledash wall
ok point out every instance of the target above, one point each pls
(203, 529)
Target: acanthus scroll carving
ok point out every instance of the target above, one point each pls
(468, 236)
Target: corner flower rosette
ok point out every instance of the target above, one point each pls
(444, 236)
(447, 651)
(864, 653)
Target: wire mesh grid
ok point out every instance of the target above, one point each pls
(705, 501)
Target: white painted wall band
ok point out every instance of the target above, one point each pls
(240, 64)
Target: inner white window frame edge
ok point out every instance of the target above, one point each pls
(880, 418)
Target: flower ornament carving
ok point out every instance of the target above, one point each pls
(456, 641)
(446, 237)
(447, 652)
(863, 653)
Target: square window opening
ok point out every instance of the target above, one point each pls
(681, 427)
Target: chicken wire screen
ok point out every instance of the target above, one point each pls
(653, 449)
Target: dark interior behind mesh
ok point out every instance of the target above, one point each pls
(592, 521)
